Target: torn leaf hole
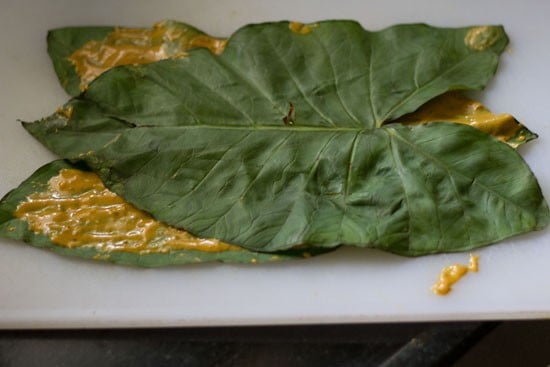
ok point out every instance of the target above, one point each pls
(289, 118)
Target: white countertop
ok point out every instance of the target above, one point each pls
(39, 289)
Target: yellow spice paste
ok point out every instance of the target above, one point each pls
(482, 37)
(301, 28)
(77, 210)
(132, 46)
(454, 107)
(452, 274)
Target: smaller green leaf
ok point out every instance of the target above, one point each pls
(14, 226)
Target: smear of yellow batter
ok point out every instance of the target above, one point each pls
(482, 37)
(454, 107)
(452, 274)
(77, 210)
(302, 28)
(132, 46)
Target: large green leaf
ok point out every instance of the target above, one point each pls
(15, 228)
(280, 141)
(102, 48)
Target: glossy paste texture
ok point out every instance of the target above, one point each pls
(77, 210)
(454, 107)
(301, 28)
(482, 37)
(452, 274)
(131, 46)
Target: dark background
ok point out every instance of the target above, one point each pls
(460, 344)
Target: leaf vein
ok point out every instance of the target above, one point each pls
(299, 87)
(336, 84)
(416, 91)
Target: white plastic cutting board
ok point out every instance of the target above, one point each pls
(39, 289)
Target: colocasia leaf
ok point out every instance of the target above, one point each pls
(64, 208)
(282, 140)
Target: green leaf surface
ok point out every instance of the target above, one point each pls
(280, 141)
(18, 229)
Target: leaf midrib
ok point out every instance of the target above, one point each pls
(257, 127)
